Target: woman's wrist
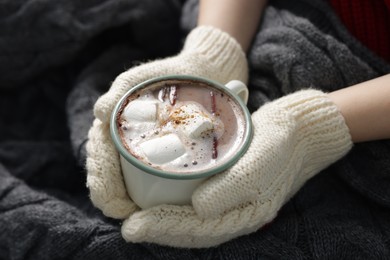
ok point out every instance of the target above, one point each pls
(239, 19)
(366, 109)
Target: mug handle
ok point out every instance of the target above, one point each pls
(239, 88)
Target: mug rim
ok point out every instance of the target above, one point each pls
(115, 136)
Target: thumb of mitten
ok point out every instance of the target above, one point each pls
(106, 103)
(240, 183)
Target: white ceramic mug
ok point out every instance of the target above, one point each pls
(148, 186)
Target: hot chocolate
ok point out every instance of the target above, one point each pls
(181, 126)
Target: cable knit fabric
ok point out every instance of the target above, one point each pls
(73, 52)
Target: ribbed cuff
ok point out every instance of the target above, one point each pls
(220, 49)
(320, 127)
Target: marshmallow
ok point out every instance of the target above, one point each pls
(141, 111)
(197, 126)
(193, 120)
(163, 149)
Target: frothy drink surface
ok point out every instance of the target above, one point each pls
(181, 126)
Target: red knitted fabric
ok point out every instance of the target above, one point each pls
(368, 21)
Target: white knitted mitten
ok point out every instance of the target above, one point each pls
(209, 53)
(295, 137)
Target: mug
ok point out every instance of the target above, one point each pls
(149, 186)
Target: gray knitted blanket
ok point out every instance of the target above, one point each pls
(57, 57)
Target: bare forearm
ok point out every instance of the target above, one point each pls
(365, 106)
(239, 18)
(366, 109)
